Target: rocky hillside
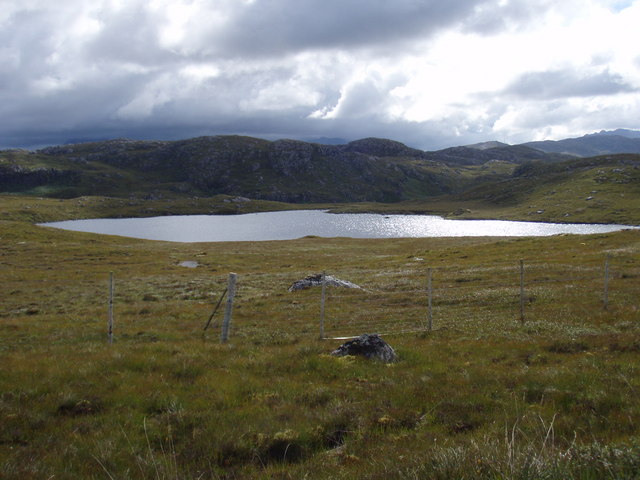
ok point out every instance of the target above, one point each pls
(283, 170)
(370, 169)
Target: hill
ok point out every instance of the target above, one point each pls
(370, 169)
(158, 177)
(515, 154)
(487, 145)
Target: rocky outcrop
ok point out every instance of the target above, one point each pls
(380, 147)
(15, 178)
(291, 157)
(369, 345)
(316, 280)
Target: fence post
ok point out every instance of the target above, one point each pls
(606, 282)
(231, 292)
(322, 300)
(522, 291)
(430, 297)
(110, 321)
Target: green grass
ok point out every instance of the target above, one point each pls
(481, 396)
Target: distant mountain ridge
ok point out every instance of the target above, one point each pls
(623, 132)
(601, 143)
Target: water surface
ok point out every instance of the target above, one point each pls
(294, 224)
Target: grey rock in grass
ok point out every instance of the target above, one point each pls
(316, 280)
(368, 345)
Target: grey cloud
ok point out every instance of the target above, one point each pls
(175, 120)
(130, 35)
(283, 26)
(493, 16)
(564, 115)
(567, 83)
(28, 42)
(43, 43)
(367, 98)
(268, 27)
(92, 103)
(546, 114)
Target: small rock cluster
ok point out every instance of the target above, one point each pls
(368, 345)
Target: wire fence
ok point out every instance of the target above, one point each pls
(478, 299)
(470, 300)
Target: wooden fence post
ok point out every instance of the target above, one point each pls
(322, 300)
(522, 291)
(606, 282)
(231, 292)
(110, 321)
(430, 297)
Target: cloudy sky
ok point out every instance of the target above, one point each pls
(429, 73)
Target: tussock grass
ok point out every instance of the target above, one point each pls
(481, 396)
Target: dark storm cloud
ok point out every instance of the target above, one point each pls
(279, 27)
(566, 84)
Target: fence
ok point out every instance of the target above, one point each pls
(474, 300)
(480, 299)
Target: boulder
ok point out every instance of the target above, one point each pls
(369, 345)
(316, 280)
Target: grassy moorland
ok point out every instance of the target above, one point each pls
(483, 395)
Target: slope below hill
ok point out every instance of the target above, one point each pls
(599, 189)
